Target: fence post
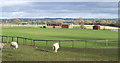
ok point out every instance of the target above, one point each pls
(34, 42)
(95, 43)
(117, 43)
(25, 41)
(46, 42)
(59, 43)
(7, 39)
(12, 39)
(31, 41)
(72, 44)
(106, 42)
(17, 39)
(2, 39)
(85, 43)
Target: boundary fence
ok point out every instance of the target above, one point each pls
(73, 43)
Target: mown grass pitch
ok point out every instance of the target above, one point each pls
(27, 53)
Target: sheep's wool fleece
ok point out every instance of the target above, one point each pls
(56, 45)
(14, 44)
(1, 45)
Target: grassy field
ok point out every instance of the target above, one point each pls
(62, 34)
(45, 53)
(26, 53)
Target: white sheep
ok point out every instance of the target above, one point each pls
(56, 47)
(14, 45)
(1, 45)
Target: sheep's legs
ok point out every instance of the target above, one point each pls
(54, 49)
(13, 47)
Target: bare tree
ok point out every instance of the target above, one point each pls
(81, 23)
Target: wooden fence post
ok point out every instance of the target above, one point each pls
(85, 43)
(46, 42)
(106, 42)
(117, 43)
(34, 42)
(7, 39)
(12, 39)
(17, 39)
(2, 39)
(95, 43)
(31, 42)
(59, 43)
(25, 41)
(72, 44)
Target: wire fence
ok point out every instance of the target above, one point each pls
(63, 43)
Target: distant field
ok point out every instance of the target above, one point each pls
(25, 53)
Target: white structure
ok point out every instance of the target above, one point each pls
(56, 47)
(49, 27)
(14, 44)
(57, 26)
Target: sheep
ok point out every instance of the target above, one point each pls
(14, 45)
(56, 47)
(1, 45)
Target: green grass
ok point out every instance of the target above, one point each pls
(61, 34)
(45, 53)
(26, 53)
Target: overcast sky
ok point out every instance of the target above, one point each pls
(61, 8)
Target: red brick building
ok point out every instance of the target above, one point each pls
(57, 25)
(96, 27)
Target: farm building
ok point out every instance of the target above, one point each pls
(57, 25)
(54, 25)
(96, 27)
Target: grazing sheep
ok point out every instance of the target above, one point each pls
(14, 45)
(56, 47)
(1, 45)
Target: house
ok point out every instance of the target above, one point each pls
(96, 27)
(57, 25)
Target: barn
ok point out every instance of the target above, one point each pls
(57, 25)
(96, 27)
(54, 25)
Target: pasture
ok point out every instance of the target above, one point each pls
(66, 53)
(62, 34)
(26, 53)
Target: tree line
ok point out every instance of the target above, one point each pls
(80, 21)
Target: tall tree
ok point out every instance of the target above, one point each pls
(81, 22)
(17, 21)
